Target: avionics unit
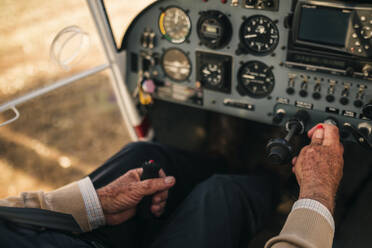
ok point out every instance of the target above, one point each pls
(332, 37)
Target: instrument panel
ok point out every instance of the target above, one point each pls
(241, 58)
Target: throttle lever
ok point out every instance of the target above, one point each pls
(150, 171)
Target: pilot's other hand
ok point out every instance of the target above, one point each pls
(120, 198)
(319, 167)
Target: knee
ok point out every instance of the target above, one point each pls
(219, 183)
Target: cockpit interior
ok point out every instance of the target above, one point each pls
(260, 73)
(246, 80)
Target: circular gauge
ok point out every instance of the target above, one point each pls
(256, 79)
(175, 25)
(211, 74)
(259, 35)
(176, 64)
(214, 29)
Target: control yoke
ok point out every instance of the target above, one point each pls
(279, 150)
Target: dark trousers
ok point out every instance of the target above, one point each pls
(203, 210)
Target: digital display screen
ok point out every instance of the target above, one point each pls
(324, 26)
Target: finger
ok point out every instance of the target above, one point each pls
(155, 208)
(151, 186)
(158, 207)
(294, 160)
(116, 219)
(318, 136)
(311, 131)
(137, 171)
(331, 134)
(159, 197)
(298, 165)
(159, 212)
(162, 173)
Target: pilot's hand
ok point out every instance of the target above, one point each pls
(120, 198)
(319, 167)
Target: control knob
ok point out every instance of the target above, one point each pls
(345, 94)
(367, 110)
(359, 97)
(317, 90)
(303, 91)
(331, 91)
(291, 84)
(367, 70)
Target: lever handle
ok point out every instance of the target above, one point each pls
(150, 171)
(279, 150)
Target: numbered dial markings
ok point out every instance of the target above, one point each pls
(175, 25)
(176, 64)
(212, 74)
(259, 35)
(256, 79)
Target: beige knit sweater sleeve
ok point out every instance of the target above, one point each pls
(67, 199)
(304, 228)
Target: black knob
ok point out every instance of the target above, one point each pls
(317, 95)
(330, 98)
(290, 91)
(303, 93)
(358, 103)
(344, 101)
(367, 110)
(279, 151)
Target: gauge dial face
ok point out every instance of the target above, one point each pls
(214, 29)
(175, 25)
(259, 35)
(176, 64)
(256, 79)
(212, 74)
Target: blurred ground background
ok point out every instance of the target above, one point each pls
(64, 135)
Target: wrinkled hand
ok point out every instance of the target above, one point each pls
(120, 198)
(319, 167)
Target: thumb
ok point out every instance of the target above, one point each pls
(151, 186)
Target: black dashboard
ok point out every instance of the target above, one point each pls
(262, 60)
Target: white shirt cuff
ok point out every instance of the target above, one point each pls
(317, 207)
(93, 207)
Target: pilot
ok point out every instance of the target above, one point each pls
(196, 208)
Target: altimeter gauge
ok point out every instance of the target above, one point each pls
(259, 35)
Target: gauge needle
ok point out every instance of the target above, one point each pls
(177, 17)
(248, 76)
(205, 71)
(249, 36)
